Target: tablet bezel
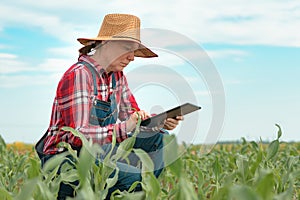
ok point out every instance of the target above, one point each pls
(171, 113)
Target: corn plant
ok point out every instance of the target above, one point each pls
(241, 170)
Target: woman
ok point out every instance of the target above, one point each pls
(93, 97)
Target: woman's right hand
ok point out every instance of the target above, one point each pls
(132, 121)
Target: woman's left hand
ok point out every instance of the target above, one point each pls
(171, 123)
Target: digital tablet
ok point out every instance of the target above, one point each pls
(172, 113)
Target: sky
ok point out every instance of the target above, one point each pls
(250, 48)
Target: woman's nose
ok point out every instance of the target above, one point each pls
(130, 56)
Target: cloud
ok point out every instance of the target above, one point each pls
(67, 52)
(234, 22)
(14, 73)
(9, 63)
(55, 65)
(7, 56)
(50, 24)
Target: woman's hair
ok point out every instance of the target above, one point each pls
(89, 48)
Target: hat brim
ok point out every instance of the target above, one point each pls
(142, 51)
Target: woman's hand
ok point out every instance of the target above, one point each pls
(132, 121)
(171, 123)
(143, 114)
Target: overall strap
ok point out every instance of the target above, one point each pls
(113, 80)
(94, 74)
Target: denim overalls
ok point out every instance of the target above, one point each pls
(102, 113)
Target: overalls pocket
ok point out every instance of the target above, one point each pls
(103, 113)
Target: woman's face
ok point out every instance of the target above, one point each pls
(118, 54)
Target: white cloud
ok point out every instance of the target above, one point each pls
(236, 22)
(65, 51)
(50, 24)
(9, 63)
(54, 65)
(48, 72)
(233, 22)
(7, 56)
(13, 72)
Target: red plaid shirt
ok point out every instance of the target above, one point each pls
(73, 101)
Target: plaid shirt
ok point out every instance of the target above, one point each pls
(73, 102)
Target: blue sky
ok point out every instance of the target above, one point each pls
(253, 46)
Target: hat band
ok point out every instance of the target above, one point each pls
(121, 36)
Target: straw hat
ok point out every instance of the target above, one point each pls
(121, 27)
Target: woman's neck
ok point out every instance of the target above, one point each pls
(101, 61)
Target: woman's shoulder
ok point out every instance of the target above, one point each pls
(76, 68)
(75, 72)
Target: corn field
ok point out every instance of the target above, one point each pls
(237, 171)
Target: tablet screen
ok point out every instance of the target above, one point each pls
(172, 113)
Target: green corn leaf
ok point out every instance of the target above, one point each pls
(147, 163)
(243, 192)
(77, 134)
(34, 168)
(85, 143)
(255, 165)
(125, 148)
(44, 191)
(55, 161)
(70, 175)
(254, 145)
(272, 149)
(185, 190)
(287, 194)
(107, 159)
(112, 181)
(296, 174)
(150, 185)
(171, 156)
(217, 168)
(279, 133)
(84, 164)
(118, 195)
(4, 194)
(86, 192)
(27, 190)
(133, 186)
(243, 167)
(2, 144)
(50, 175)
(138, 124)
(265, 183)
